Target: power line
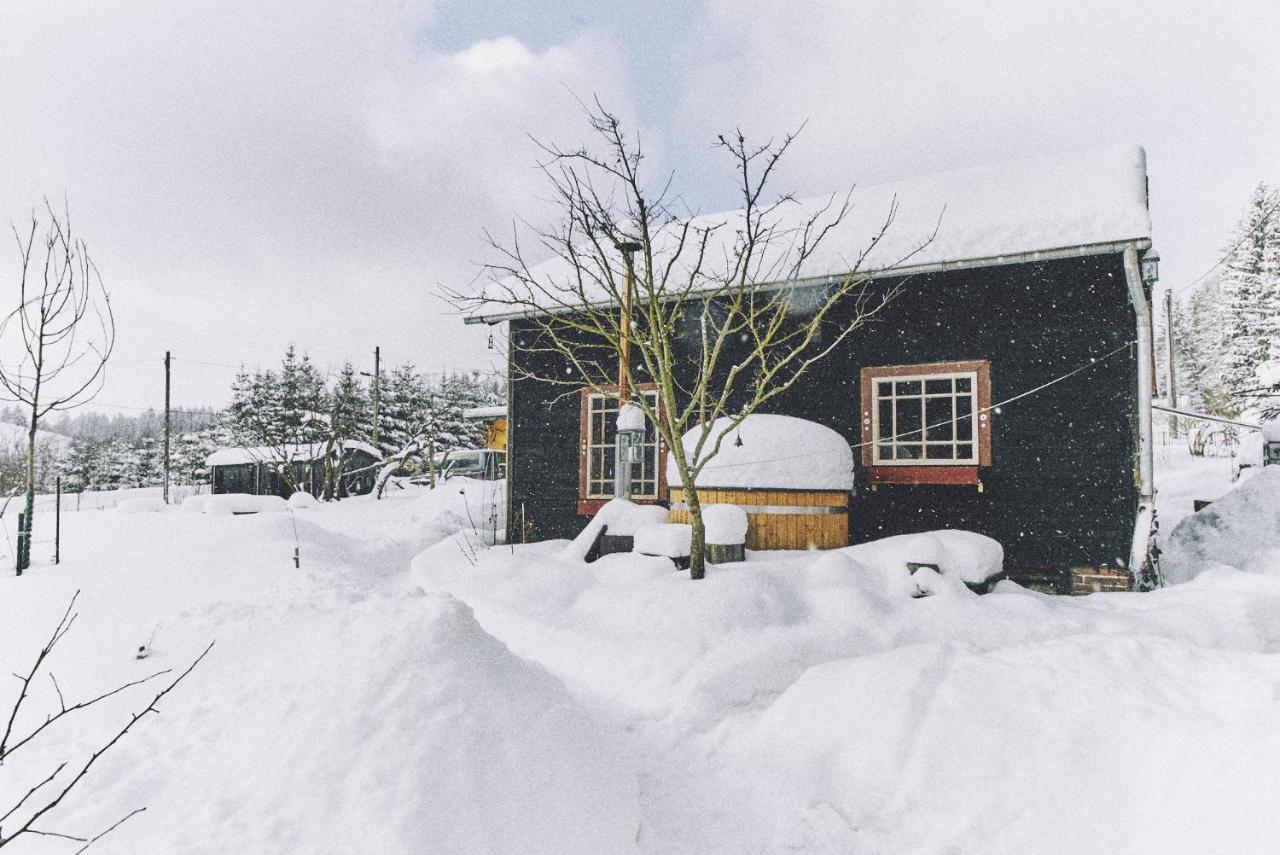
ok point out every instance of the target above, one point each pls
(1221, 261)
(921, 431)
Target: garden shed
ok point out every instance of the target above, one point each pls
(1004, 390)
(260, 470)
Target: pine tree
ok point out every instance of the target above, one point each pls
(1251, 294)
(404, 409)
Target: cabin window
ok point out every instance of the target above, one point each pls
(596, 453)
(927, 423)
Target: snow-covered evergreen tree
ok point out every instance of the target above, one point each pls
(404, 409)
(1200, 335)
(1250, 288)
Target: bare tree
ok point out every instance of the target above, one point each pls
(53, 788)
(725, 314)
(62, 333)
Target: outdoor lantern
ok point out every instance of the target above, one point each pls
(1150, 266)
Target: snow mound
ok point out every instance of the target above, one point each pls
(1240, 530)
(935, 747)
(726, 524)
(390, 727)
(672, 540)
(302, 500)
(149, 505)
(963, 555)
(617, 516)
(194, 504)
(243, 503)
(769, 452)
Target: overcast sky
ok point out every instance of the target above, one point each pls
(251, 174)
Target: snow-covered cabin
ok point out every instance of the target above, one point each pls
(258, 470)
(1025, 324)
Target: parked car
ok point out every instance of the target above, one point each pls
(483, 464)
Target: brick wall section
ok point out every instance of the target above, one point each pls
(1093, 580)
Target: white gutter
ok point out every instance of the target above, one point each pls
(905, 270)
(1146, 485)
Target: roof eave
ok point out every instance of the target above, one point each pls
(1057, 253)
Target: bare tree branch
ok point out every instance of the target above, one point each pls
(723, 320)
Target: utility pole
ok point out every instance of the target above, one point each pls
(623, 440)
(377, 392)
(1173, 378)
(167, 425)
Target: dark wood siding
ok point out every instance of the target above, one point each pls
(1061, 486)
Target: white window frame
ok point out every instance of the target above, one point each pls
(922, 440)
(590, 447)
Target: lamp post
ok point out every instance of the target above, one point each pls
(626, 439)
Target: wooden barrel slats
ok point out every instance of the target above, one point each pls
(782, 519)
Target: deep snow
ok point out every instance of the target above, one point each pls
(411, 689)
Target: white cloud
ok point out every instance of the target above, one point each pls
(893, 89)
(253, 173)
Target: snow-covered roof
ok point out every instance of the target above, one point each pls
(274, 453)
(776, 453)
(983, 213)
(498, 411)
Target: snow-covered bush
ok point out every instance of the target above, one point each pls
(302, 500)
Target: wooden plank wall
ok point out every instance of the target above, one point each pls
(783, 530)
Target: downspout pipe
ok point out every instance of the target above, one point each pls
(1146, 466)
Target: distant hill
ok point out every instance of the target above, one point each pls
(12, 435)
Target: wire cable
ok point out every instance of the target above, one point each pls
(920, 431)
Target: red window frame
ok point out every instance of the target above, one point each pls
(928, 471)
(588, 504)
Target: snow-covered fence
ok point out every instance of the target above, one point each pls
(98, 500)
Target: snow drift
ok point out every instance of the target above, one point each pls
(1239, 530)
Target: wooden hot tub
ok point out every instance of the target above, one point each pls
(782, 519)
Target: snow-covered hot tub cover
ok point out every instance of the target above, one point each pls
(776, 453)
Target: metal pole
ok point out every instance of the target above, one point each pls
(167, 424)
(57, 525)
(377, 391)
(622, 462)
(1173, 377)
(22, 534)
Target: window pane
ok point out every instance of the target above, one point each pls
(939, 452)
(908, 387)
(963, 384)
(964, 416)
(886, 420)
(886, 451)
(937, 387)
(884, 389)
(964, 451)
(909, 452)
(937, 418)
(909, 419)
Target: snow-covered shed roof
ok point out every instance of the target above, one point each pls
(1087, 201)
(498, 411)
(273, 453)
(775, 453)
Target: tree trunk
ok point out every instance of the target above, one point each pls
(327, 492)
(698, 546)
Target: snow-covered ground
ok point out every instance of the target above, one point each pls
(411, 689)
